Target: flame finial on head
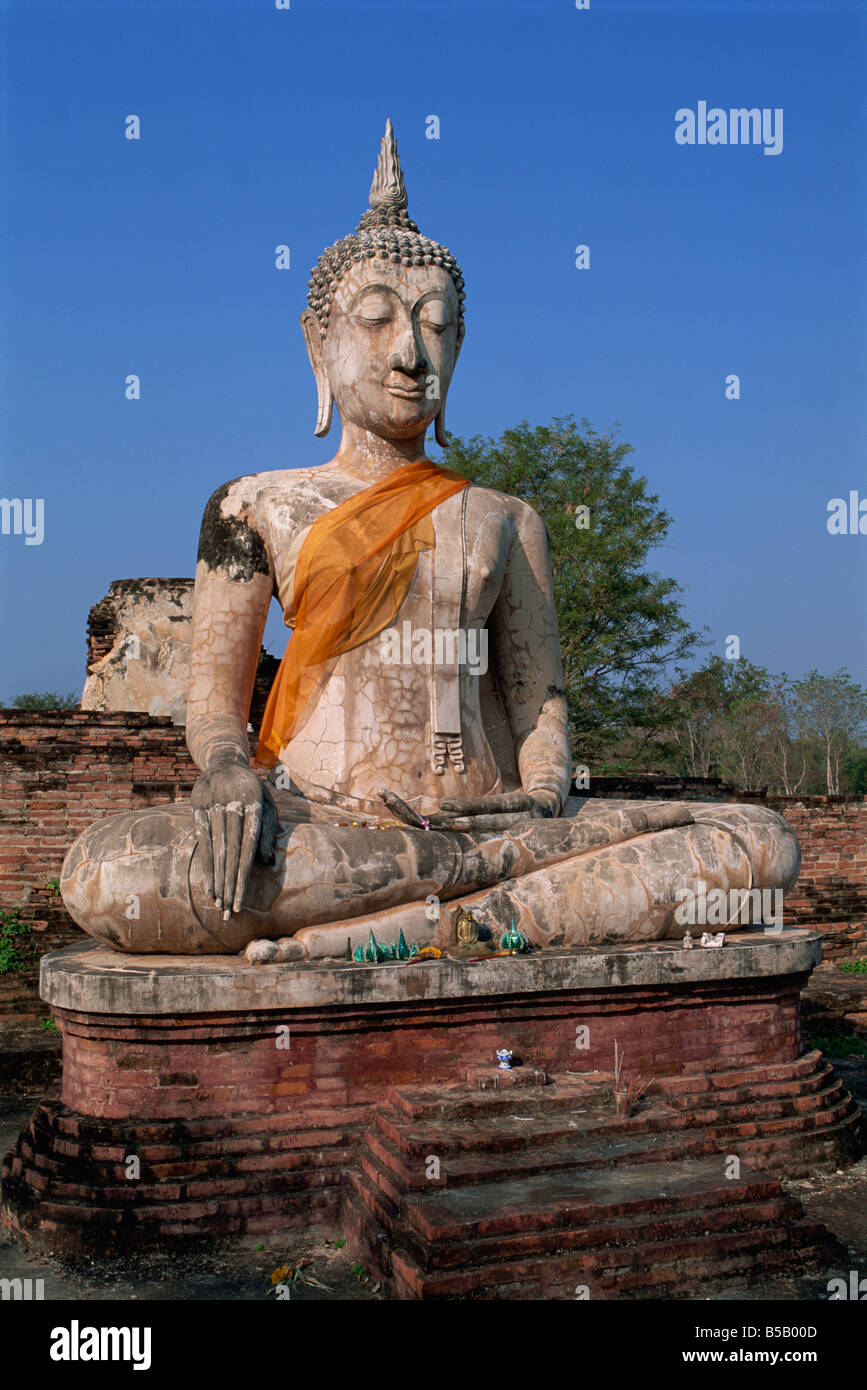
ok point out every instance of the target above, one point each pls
(386, 232)
(388, 189)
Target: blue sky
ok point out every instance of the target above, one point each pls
(261, 127)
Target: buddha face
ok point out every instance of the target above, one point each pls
(391, 346)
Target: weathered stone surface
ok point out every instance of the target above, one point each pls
(603, 871)
(92, 979)
(138, 651)
(139, 648)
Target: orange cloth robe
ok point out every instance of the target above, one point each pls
(353, 572)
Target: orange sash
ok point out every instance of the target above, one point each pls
(353, 572)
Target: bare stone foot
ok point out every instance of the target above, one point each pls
(265, 952)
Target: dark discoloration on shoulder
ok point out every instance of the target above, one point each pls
(230, 543)
(555, 692)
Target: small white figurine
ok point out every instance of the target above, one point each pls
(708, 938)
(688, 942)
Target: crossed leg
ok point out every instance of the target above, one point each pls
(604, 871)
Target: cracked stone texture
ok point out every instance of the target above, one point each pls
(368, 723)
(147, 664)
(91, 979)
(604, 871)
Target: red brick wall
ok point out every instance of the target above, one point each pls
(120, 1066)
(59, 771)
(832, 887)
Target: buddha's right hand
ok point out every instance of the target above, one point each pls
(236, 821)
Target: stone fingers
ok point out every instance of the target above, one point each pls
(234, 830)
(217, 819)
(399, 808)
(488, 805)
(228, 836)
(203, 837)
(249, 841)
(486, 823)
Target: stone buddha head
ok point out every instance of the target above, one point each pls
(384, 322)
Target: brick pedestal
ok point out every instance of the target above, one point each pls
(205, 1096)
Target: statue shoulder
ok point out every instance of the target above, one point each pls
(524, 518)
(237, 521)
(254, 491)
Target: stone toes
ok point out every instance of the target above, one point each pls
(261, 952)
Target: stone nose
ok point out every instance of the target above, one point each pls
(409, 356)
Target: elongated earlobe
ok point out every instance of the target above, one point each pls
(440, 425)
(313, 339)
(324, 405)
(440, 422)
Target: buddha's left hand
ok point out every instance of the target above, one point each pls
(495, 812)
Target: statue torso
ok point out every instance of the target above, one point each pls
(370, 722)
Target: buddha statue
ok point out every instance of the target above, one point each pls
(393, 776)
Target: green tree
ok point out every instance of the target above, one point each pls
(45, 699)
(620, 624)
(830, 713)
(736, 721)
(722, 718)
(856, 773)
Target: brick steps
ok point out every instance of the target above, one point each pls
(580, 1199)
(626, 1231)
(545, 1188)
(638, 1255)
(65, 1181)
(697, 1082)
(378, 1155)
(799, 1126)
(104, 1160)
(800, 1155)
(463, 1102)
(505, 1133)
(63, 1226)
(675, 1270)
(66, 1177)
(776, 1080)
(318, 1169)
(182, 1133)
(574, 1213)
